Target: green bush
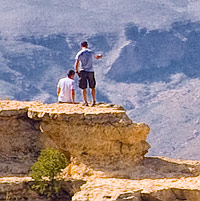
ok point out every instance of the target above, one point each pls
(46, 171)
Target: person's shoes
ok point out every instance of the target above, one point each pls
(93, 104)
(85, 104)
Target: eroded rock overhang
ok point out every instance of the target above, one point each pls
(101, 135)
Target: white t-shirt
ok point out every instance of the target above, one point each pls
(66, 85)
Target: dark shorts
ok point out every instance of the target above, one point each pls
(86, 77)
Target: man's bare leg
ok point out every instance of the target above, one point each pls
(93, 93)
(84, 91)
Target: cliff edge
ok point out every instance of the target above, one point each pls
(96, 136)
(106, 152)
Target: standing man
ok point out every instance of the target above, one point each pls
(66, 88)
(86, 73)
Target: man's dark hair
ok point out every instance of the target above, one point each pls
(70, 73)
(84, 44)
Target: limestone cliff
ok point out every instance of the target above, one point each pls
(102, 135)
(19, 138)
(106, 150)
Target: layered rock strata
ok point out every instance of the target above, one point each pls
(97, 136)
(16, 188)
(187, 189)
(106, 150)
(20, 139)
(154, 179)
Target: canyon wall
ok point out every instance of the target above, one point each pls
(106, 152)
(20, 139)
(101, 135)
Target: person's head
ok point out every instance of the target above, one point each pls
(71, 74)
(84, 44)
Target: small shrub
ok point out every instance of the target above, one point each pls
(46, 171)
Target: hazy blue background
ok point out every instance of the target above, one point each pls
(150, 65)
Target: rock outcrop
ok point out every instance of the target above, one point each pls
(97, 136)
(154, 179)
(20, 136)
(15, 188)
(106, 151)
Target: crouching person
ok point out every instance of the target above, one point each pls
(66, 88)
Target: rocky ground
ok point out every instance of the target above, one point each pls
(112, 168)
(59, 108)
(154, 179)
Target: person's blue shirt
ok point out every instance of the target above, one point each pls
(85, 56)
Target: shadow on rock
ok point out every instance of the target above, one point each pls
(149, 168)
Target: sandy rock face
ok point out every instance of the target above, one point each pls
(19, 188)
(19, 141)
(96, 137)
(101, 135)
(106, 149)
(153, 179)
